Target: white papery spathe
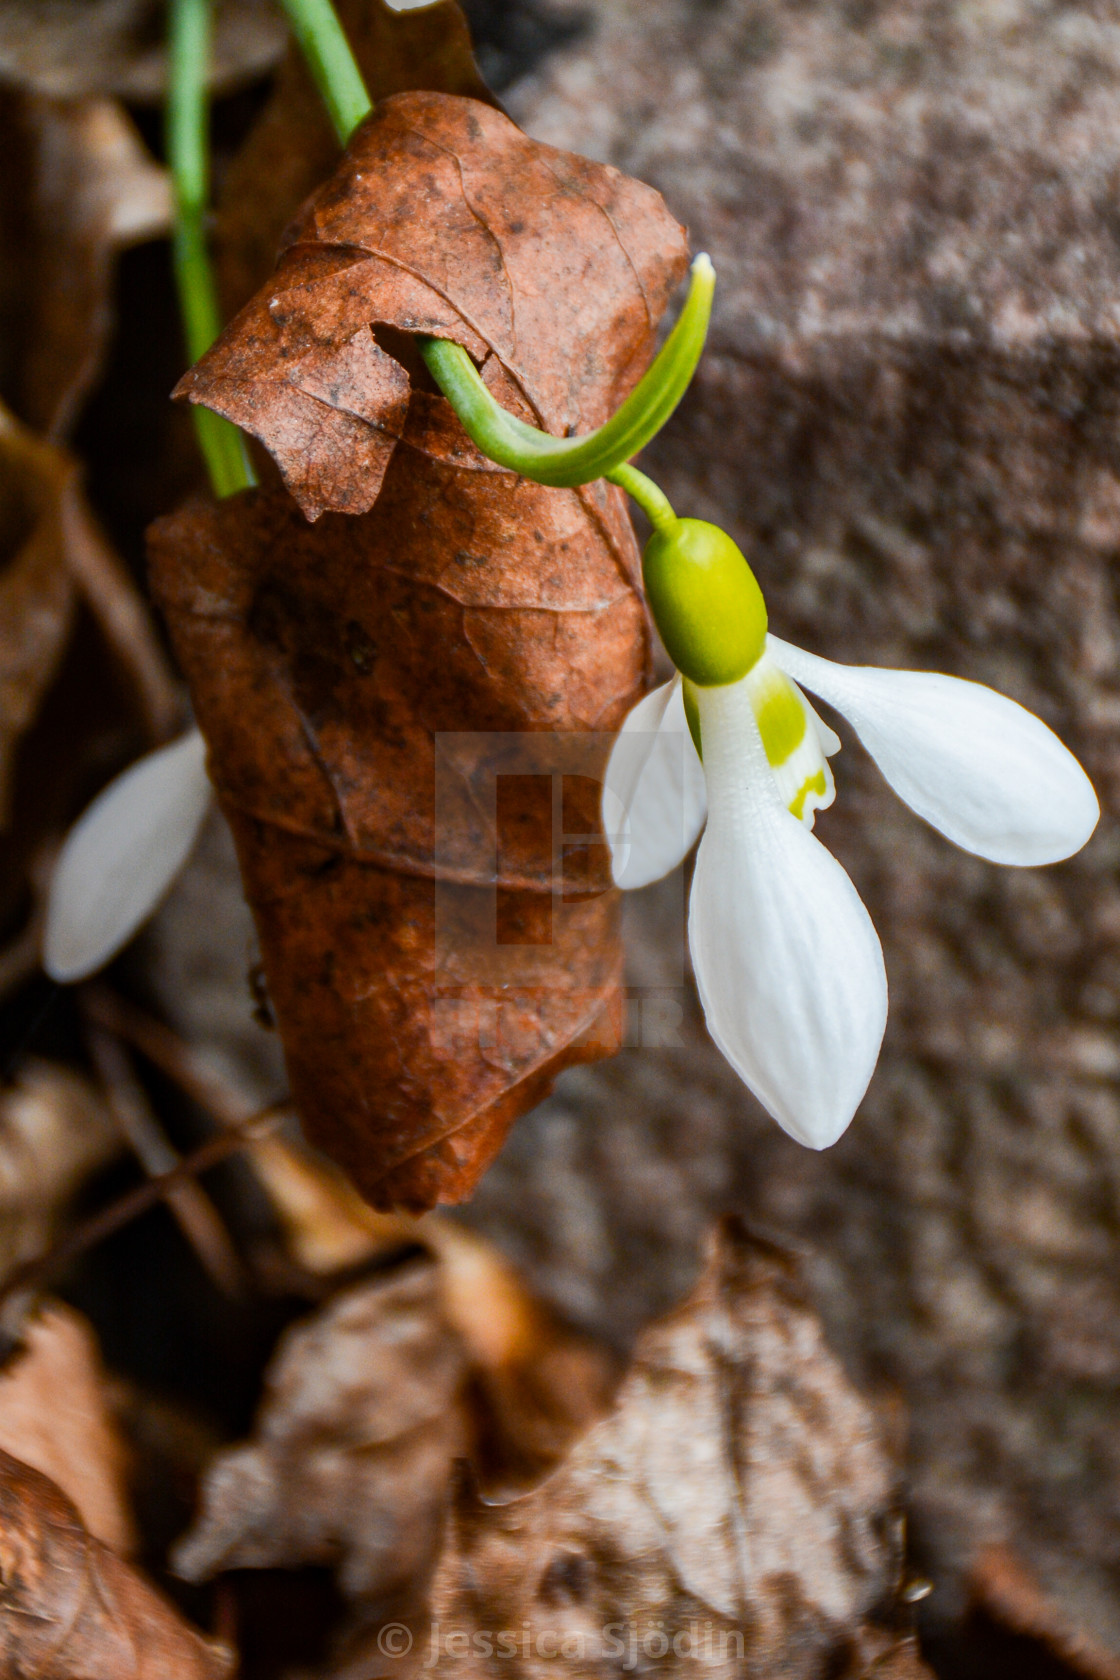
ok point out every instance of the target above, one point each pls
(981, 768)
(121, 857)
(788, 965)
(654, 803)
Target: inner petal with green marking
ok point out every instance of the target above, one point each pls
(792, 739)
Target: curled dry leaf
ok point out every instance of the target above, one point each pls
(70, 1607)
(324, 663)
(736, 1506)
(292, 147)
(72, 48)
(55, 1417)
(458, 645)
(362, 1417)
(442, 218)
(54, 1131)
(79, 186)
(368, 1404)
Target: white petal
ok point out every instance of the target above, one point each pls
(653, 793)
(982, 769)
(788, 965)
(122, 855)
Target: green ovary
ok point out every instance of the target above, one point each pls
(705, 601)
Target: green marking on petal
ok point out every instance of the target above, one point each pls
(780, 715)
(812, 784)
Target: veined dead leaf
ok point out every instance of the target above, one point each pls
(292, 147)
(550, 270)
(368, 1404)
(70, 1607)
(80, 186)
(55, 1417)
(431, 971)
(736, 1506)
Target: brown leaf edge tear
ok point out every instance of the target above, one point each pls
(70, 1606)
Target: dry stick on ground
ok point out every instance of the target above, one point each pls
(34, 1275)
(197, 1216)
(163, 1047)
(123, 619)
(308, 1194)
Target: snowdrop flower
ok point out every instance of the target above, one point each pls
(122, 855)
(788, 965)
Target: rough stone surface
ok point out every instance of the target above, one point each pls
(909, 416)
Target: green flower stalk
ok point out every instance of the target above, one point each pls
(222, 445)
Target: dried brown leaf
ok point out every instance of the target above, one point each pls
(368, 1404)
(324, 662)
(292, 147)
(442, 218)
(350, 1465)
(738, 1493)
(79, 186)
(72, 48)
(54, 1131)
(71, 1609)
(467, 603)
(55, 1417)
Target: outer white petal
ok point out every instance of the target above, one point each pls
(788, 965)
(978, 766)
(654, 801)
(122, 855)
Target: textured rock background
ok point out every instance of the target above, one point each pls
(909, 416)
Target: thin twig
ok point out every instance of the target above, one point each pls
(198, 1218)
(163, 1047)
(33, 1275)
(122, 617)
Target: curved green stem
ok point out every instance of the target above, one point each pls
(498, 434)
(570, 461)
(222, 445)
(649, 496)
